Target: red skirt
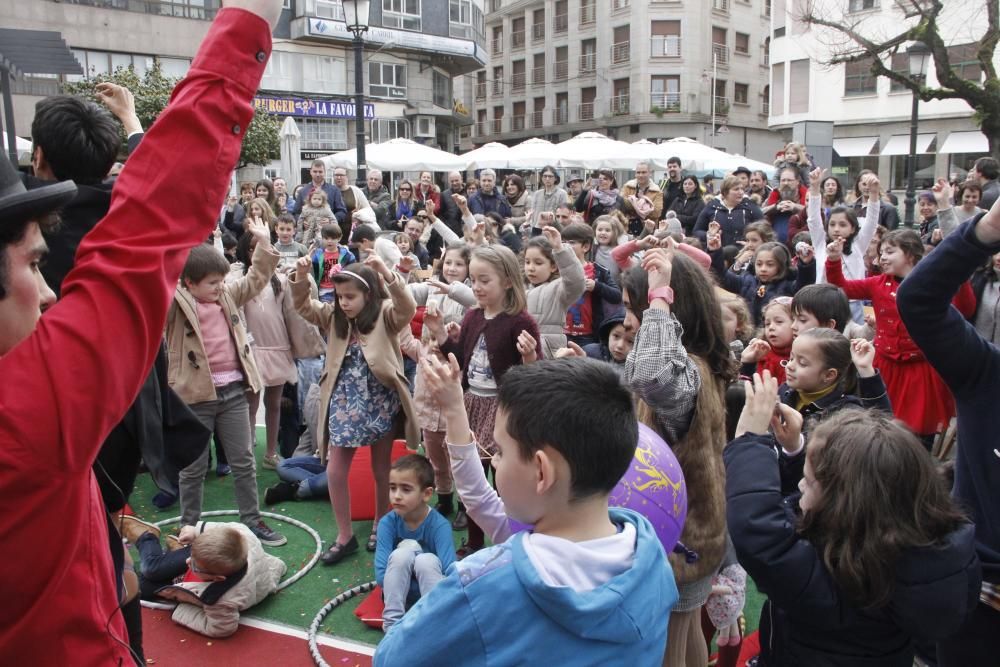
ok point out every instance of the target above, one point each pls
(920, 398)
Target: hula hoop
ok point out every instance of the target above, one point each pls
(340, 599)
(271, 515)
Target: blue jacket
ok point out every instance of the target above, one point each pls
(494, 609)
(482, 203)
(344, 257)
(749, 287)
(808, 620)
(970, 366)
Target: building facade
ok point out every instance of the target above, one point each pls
(632, 70)
(870, 115)
(414, 50)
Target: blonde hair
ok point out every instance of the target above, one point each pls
(728, 183)
(503, 260)
(267, 213)
(617, 228)
(800, 152)
(220, 551)
(738, 307)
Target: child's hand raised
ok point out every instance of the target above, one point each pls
(647, 242)
(526, 345)
(553, 236)
(437, 286)
(759, 405)
(259, 230)
(454, 331)
(434, 322)
(835, 250)
(443, 381)
(755, 350)
(874, 187)
(942, 193)
(460, 201)
(786, 423)
(658, 263)
(863, 356)
(815, 178)
(302, 267)
(406, 264)
(373, 261)
(714, 242)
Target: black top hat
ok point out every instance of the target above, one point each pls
(19, 205)
(742, 170)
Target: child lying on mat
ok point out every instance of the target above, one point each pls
(212, 570)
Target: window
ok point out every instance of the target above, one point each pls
(498, 80)
(465, 21)
(387, 80)
(620, 98)
(306, 72)
(103, 62)
(741, 94)
(517, 120)
(778, 18)
(765, 101)
(518, 77)
(442, 90)
(587, 97)
(620, 46)
(517, 36)
(403, 14)
(778, 89)
(588, 13)
(460, 11)
(173, 67)
(964, 63)
(561, 65)
(742, 43)
(538, 112)
(858, 79)
(665, 94)
(862, 5)
(327, 9)
(562, 108)
(798, 86)
(720, 51)
(538, 25)
(384, 129)
(560, 20)
(480, 84)
(497, 40)
(666, 38)
(322, 133)
(901, 64)
(588, 56)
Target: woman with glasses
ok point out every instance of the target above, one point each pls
(403, 207)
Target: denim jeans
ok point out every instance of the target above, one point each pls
(158, 568)
(407, 563)
(310, 474)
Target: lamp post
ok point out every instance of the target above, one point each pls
(356, 17)
(918, 55)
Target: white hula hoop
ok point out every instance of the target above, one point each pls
(340, 599)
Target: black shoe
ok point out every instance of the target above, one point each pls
(268, 536)
(223, 470)
(280, 492)
(445, 504)
(338, 552)
(461, 521)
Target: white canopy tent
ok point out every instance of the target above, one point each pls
(23, 147)
(592, 150)
(532, 154)
(492, 155)
(730, 162)
(692, 154)
(399, 155)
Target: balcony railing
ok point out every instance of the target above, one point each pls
(665, 46)
(721, 53)
(560, 23)
(588, 14)
(537, 118)
(204, 11)
(619, 4)
(587, 111)
(517, 39)
(660, 103)
(765, 57)
(619, 105)
(480, 91)
(721, 5)
(620, 53)
(721, 106)
(538, 32)
(325, 9)
(538, 76)
(481, 128)
(562, 116)
(560, 70)
(497, 46)
(765, 107)
(588, 63)
(497, 86)
(497, 125)
(517, 82)
(517, 123)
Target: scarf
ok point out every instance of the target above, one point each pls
(607, 198)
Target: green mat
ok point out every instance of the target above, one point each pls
(297, 605)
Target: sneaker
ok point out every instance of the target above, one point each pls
(222, 470)
(280, 492)
(164, 499)
(270, 462)
(133, 528)
(267, 536)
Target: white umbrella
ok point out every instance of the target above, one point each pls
(728, 163)
(493, 155)
(692, 153)
(592, 150)
(399, 155)
(532, 154)
(291, 159)
(23, 147)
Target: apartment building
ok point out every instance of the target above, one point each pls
(632, 70)
(414, 50)
(871, 115)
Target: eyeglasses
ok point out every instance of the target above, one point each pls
(406, 189)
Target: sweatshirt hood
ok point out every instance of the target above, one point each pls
(626, 609)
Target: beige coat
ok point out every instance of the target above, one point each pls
(187, 362)
(548, 302)
(221, 619)
(654, 194)
(380, 348)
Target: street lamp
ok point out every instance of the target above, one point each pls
(356, 17)
(918, 56)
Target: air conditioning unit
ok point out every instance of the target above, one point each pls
(424, 127)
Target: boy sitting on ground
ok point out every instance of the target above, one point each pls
(587, 585)
(213, 570)
(415, 546)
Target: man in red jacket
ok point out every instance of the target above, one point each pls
(69, 376)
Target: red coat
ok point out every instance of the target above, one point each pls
(431, 199)
(69, 383)
(891, 338)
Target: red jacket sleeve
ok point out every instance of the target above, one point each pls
(854, 289)
(70, 382)
(965, 300)
(772, 198)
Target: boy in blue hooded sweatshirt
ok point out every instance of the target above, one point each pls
(588, 585)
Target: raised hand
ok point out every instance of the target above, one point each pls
(758, 407)
(454, 331)
(714, 241)
(755, 350)
(647, 242)
(835, 250)
(863, 356)
(438, 286)
(119, 101)
(874, 187)
(815, 178)
(434, 322)
(302, 267)
(259, 230)
(460, 201)
(526, 345)
(406, 264)
(443, 381)
(553, 236)
(786, 423)
(373, 261)
(658, 264)
(942, 193)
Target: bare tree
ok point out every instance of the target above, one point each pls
(852, 43)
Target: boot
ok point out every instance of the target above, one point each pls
(133, 528)
(280, 492)
(445, 504)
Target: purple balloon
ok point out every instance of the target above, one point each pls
(653, 486)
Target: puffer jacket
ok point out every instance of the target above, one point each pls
(213, 608)
(733, 221)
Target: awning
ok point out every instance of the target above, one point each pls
(36, 52)
(899, 144)
(965, 142)
(854, 146)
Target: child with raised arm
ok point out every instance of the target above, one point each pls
(588, 585)
(554, 280)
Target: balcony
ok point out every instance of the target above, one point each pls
(765, 57)
(325, 9)
(619, 4)
(517, 123)
(538, 76)
(586, 111)
(481, 128)
(517, 82)
(620, 53)
(560, 23)
(588, 14)
(203, 11)
(537, 118)
(661, 103)
(497, 125)
(497, 86)
(721, 107)
(721, 54)
(538, 32)
(517, 39)
(665, 46)
(562, 116)
(497, 46)
(588, 63)
(721, 6)
(765, 107)
(620, 105)
(480, 91)
(560, 70)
